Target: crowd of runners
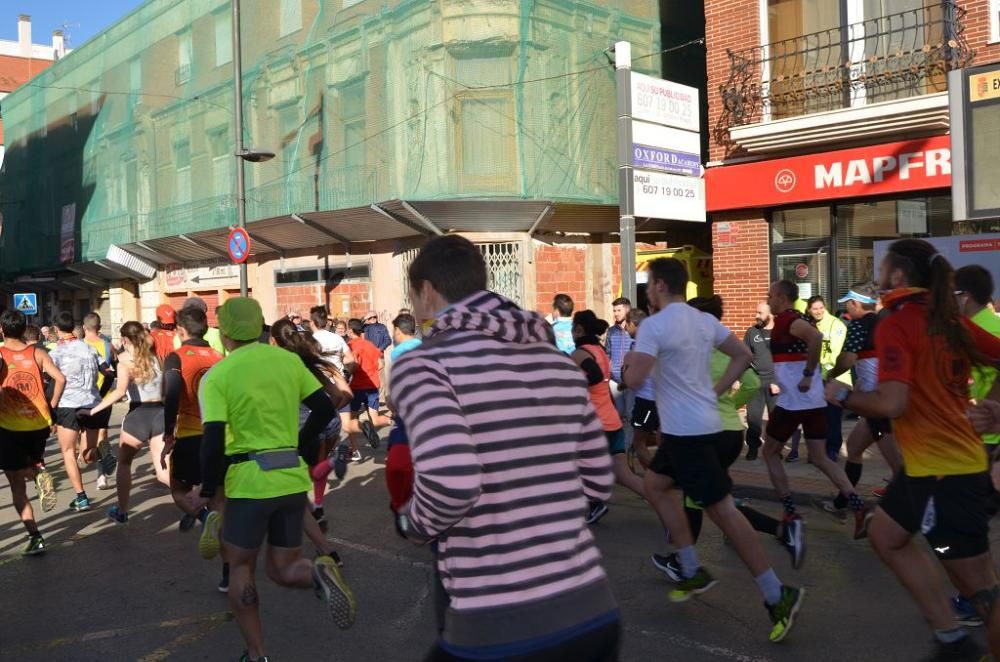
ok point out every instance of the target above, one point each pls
(507, 431)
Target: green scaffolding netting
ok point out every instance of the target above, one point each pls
(130, 137)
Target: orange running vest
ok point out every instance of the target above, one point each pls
(23, 407)
(195, 363)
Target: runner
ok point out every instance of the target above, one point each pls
(140, 376)
(676, 345)
(398, 461)
(105, 380)
(284, 335)
(596, 366)
(618, 344)
(165, 331)
(365, 384)
(500, 510)
(859, 354)
(183, 371)
(335, 350)
(796, 345)
(212, 336)
(249, 407)
(25, 422)
(758, 339)
(80, 364)
(788, 535)
(925, 353)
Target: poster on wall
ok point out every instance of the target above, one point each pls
(67, 234)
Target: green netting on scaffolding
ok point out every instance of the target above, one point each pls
(130, 137)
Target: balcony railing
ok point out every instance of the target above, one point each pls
(889, 57)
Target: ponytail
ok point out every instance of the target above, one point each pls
(144, 359)
(287, 337)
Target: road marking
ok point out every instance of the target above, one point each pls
(372, 551)
(210, 619)
(716, 651)
(165, 651)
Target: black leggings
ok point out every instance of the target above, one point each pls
(598, 645)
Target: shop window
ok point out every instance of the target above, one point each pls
(801, 224)
(333, 275)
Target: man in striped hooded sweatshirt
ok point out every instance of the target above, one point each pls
(507, 450)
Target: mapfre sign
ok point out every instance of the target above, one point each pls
(913, 165)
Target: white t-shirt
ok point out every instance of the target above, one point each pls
(681, 339)
(333, 347)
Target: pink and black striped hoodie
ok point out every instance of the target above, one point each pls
(507, 449)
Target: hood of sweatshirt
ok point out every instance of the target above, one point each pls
(490, 314)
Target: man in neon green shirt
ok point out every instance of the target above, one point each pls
(974, 289)
(834, 334)
(250, 410)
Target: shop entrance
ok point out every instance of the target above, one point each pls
(807, 269)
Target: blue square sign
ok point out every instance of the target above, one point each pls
(27, 303)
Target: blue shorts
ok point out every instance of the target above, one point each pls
(362, 399)
(616, 441)
(398, 434)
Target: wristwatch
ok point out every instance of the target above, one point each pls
(806, 372)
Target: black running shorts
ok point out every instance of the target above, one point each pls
(185, 461)
(698, 465)
(71, 419)
(144, 421)
(21, 450)
(645, 416)
(782, 423)
(248, 521)
(952, 511)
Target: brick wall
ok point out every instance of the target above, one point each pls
(732, 24)
(560, 269)
(345, 300)
(977, 31)
(741, 265)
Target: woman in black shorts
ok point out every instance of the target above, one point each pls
(140, 376)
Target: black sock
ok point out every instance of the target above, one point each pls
(695, 518)
(853, 471)
(81, 495)
(840, 502)
(759, 521)
(225, 569)
(788, 504)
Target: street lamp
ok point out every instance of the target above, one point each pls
(242, 152)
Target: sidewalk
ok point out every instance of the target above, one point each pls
(750, 479)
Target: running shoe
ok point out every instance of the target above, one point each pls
(688, 588)
(333, 590)
(106, 458)
(598, 509)
(102, 482)
(246, 658)
(827, 506)
(878, 492)
(862, 518)
(335, 556)
(187, 522)
(793, 538)
(670, 565)
(965, 613)
(46, 486)
(35, 546)
(208, 544)
(117, 516)
(356, 456)
(783, 614)
(792, 457)
(340, 456)
(79, 504)
(224, 582)
(370, 433)
(964, 649)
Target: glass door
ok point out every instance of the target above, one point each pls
(807, 269)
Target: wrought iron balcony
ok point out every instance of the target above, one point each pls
(889, 57)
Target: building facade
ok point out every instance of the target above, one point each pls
(830, 131)
(391, 123)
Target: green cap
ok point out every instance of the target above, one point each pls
(241, 319)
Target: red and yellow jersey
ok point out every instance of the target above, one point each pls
(934, 435)
(195, 362)
(23, 406)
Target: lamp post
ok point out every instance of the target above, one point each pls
(242, 153)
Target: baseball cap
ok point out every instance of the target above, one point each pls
(862, 294)
(196, 302)
(165, 314)
(241, 319)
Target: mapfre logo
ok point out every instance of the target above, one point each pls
(784, 181)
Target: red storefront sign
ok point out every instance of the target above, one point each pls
(913, 165)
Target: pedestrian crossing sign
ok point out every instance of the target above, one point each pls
(27, 303)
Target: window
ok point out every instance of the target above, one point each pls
(485, 131)
(352, 113)
(183, 57)
(223, 39)
(222, 161)
(995, 20)
(332, 275)
(182, 161)
(291, 17)
(135, 80)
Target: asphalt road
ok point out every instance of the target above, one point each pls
(140, 591)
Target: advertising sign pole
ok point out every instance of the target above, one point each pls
(626, 201)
